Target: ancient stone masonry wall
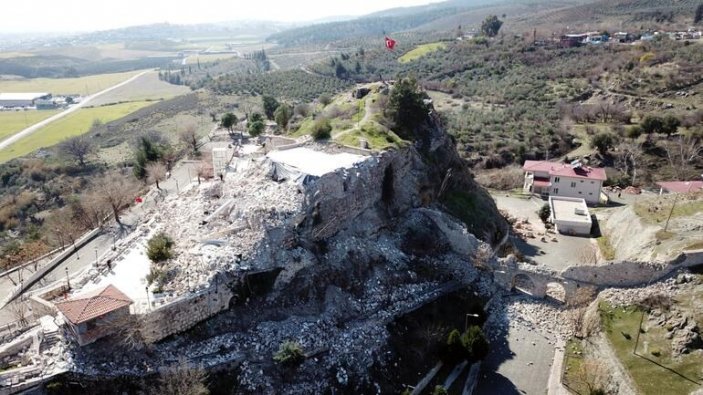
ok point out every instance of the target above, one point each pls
(624, 274)
(336, 199)
(182, 314)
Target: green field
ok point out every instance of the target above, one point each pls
(72, 125)
(420, 51)
(58, 86)
(653, 369)
(12, 122)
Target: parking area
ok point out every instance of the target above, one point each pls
(554, 250)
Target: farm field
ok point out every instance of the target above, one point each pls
(420, 51)
(144, 88)
(72, 125)
(82, 85)
(14, 121)
(208, 57)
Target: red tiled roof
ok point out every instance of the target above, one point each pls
(91, 305)
(541, 182)
(681, 186)
(565, 170)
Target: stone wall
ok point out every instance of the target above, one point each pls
(627, 274)
(386, 182)
(184, 313)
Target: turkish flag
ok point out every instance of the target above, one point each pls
(138, 199)
(390, 43)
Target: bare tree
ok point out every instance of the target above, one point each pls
(594, 375)
(90, 211)
(630, 153)
(182, 379)
(115, 191)
(63, 227)
(79, 148)
(189, 138)
(156, 172)
(127, 330)
(204, 169)
(20, 311)
(683, 152)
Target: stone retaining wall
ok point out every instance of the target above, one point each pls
(628, 274)
(184, 313)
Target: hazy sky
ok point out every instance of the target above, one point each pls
(82, 15)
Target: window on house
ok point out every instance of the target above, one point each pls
(556, 179)
(590, 193)
(579, 192)
(581, 181)
(573, 184)
(556, 191)
(592, 182)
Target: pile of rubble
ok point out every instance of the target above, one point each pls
(218, 224)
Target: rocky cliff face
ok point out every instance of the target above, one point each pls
(368, 245)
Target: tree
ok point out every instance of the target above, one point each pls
(406, 107)
(270, 105)
(20, 311)
(79, 148)
(182, 379)
(282, 115)
(652, 124)
(204, 169)
(189, 138)
(629, 154)
(682, 153)
(603, 141)
(156, 172)
(63, 227)
(115, 191)
(491, 25)
(321, 129)
(228, 121)
(325, 99)
(255, 125)
(670, 125)
(149, 148)
(698, 16)
(544, 213)
(159, 247)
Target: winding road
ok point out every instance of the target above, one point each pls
(28, 131)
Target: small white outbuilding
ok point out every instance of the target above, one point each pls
(570, 216)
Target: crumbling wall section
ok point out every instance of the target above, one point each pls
(387, 182)
(184, 313)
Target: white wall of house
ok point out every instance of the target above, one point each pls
(589, 190)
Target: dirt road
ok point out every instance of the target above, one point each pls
(28, 131)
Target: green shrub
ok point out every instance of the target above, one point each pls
(439, 390)
(321, 129)
(159, 248)
(544, 212)
(289, 352)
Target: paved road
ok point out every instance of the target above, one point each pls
(27, 131)
(566, 251)
(519, 363)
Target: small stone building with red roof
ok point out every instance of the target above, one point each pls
(92, 315)
(573, 180)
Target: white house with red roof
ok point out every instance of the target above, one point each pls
(573, 180)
